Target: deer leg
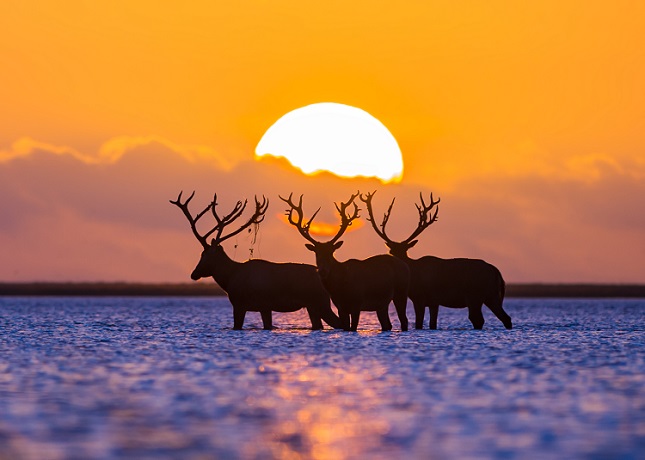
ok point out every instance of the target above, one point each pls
(238, 317)
(434, 313)
(401, 304)
(501, 314)
(475, 316)
(328, 315)
(355, 317)
(384, 319)
(316, 322)
(267, 320)
(419, 314)
(344, 319)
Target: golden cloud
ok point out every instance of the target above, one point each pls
(529, 160)
(25, 146)
(114, 149)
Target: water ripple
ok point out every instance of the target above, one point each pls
(84, 378)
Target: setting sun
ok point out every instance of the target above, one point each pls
(338, 138)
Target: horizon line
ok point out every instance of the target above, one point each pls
(187, 289)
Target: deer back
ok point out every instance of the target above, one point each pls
(454, 281)
(370, 280)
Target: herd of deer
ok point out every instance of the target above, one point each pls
(353, 285)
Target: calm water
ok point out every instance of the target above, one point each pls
(84, 378)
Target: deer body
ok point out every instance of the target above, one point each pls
(452, 283)
(265, 287)
(356, 285)
(368, 285)
(455, 283)
(257, 285)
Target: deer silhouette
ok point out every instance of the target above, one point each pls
(453, 283)
(257, 285)
(355, 285)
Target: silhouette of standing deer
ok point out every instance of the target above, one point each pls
(355, 285)
(453, 283)
(257, 285)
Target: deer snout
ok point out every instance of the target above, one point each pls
(195, 276)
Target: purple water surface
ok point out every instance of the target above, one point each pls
(101, 378)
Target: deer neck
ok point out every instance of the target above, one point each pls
(402, 255)
(224, 269)
(334, 272)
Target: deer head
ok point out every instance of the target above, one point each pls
(324, 250)
(426, 218)
(214, 248)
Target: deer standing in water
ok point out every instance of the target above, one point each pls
(257, 285)
(355, 285)
(453, 283)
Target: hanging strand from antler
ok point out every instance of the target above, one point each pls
(253, 231)
(221, 221)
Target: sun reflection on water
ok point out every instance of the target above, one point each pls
(335, 414)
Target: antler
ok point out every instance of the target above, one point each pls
(303, 229)
(192, 220)
(227, 219)
(345, 219)
(426, 217)
(367, 199)
(257, 217)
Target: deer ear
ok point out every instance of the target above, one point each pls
(412, 243)
(311, 247)
(337, 245)
(213, 244)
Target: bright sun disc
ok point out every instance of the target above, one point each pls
(338, 138)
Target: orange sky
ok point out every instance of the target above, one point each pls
(527, 119)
